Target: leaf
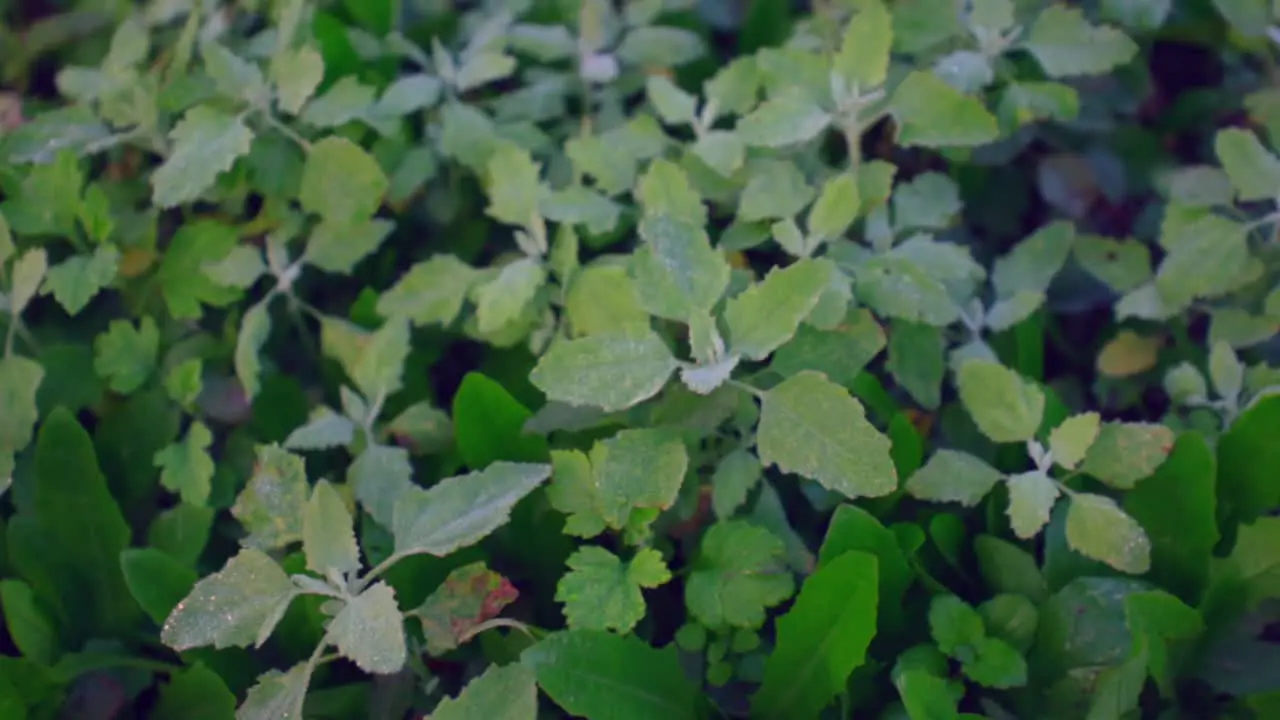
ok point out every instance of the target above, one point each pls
(783, 120)
(462, 510)
(78, 279)
(374, 361)
(182, 532)
(1006, 568)
(469, 596)
(600, 592)
(899, 287)
(1129, 353)
(676, 271)
(237, 606)
(916, 360)
(822, 639)
(735, 476)
(408, 94)
(813, 427)
(28, 624)
(255, 327)
(277, 695)
(594, 673)
(1248, 486)
(296, 73)
(1033, 262)
(840, 353)
(1206, 258)
(380, 476)
(1012, 618)
(186, 468)
(507, 692)
(739, 573)
(368, 631)
(602, 298)
(1031, 498)
(674, 106)
(431, 292)
(1099, 529)
(953, 476)
(234, 76)
(864, 52)
(955, 626)
(1065, 44)
(1070, 441)
(930, 201)
(836, 208)
(704, 379)
(996, 665)
(325, 429)
(513, 186)
(328, 538)
(270, 506)
(206, 143)
(126, 356)
(775, 189)
(489, 422)
(194, 687)
(612, 371)
(336, 246)
(1125, 453)
(1225, 370)
(1253, 170)
(931, 113)
(20, 380)
(504, 299)
(340, 181)
(768, 314)
(1005, 407)
(182, 278)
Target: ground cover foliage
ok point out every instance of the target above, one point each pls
(558, 358)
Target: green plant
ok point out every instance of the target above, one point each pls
(546, 358)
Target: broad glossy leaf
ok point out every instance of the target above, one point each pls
(740, 572)
(933, 114)
(812, 427)
(469, 596)
(612, 370)
(1065, 44)
(328, 538)
(186, 468)
(1007, 568)
(1124, 453)
(126, 355)
(368, 631)
(506, 692)
(1005, 407)
(768, 314)
(676, 271)
(953, 476)
(1031, 498)
(181, 531)
(271, 506)
(1070, 441)
(1099, 529)
(601, 592)
(340, 181)
(206, 143)
(432, 291)
(237, 606)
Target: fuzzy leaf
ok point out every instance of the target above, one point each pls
(186, 468)
(1033, 263)
(1253, 170)
(237, 606)
(1097, 528)
(1071, 440)
(325, 429)
(933, 114)
(1124, 453)
(255, 327)
(328, 538)
(368, 631)
(612, 370)
(340, 181)
(953, 476)
(502, 692)
(296, 74)
(676, 271)
(1065, 44)
(277, 695)
(735, 476)
(600, 592)
(513, 186)
(206, 143)
(270, 506)
(864, 52)
(431, 292)
(1005, 407)
(787, 119)
(1031, 498)
(768, 314)
(504, 298)
(20, 380)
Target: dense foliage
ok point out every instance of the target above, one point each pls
(660, 359)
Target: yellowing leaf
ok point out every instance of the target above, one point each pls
(1005, 407)
(864, 51)
(1099, 529)
(1129, 353)
(1031, 498)
(340, 181)
(1070, 441)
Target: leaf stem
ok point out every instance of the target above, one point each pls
(285, 130)
(377, 571)
(749, 389)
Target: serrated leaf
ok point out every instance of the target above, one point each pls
(1004, 406)
(864, 52)
(1071, 440)
(768, 314)
(899, 287)
(1124, 453)
(502, 692)
(469, 596)
(78, 279)
(368, 631)
(186, 468)
(1097, 528)
(704, 379)
(380, 476)
(337, 245)
(234, 76)
(340, 181)
(722, 151)
(513, 186)
(953, 476)
(206, 143)
(277, 695)
(270, 506)
(812, 427)
(775, 189)
(783, 120)
(374, 361)
(125, 356)
(324, 429)
(20, 380)
(348, 99)
(676, 271)
(1010, 311)
(931, 113)
(503, 299)
(1253, 170)
(822, 639)
(482, 69)
(612, 371)
(296, 74)
(462, 510)
(601, 592)
(836, 208)
(739, 573)
(237, 606)
(995, 664)
(328, 538)
(182, 279)
(665, 189)
(1033, 263)
(432, 291)
(955, 626)
(735, 476)
(1031, 498)
(1066, 45)
(255, 327)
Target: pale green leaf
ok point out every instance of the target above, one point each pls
(340, 181)
(270, 506)
(206, 143)
(953, 476)
(929, 201)
(1005, 407)
(734, 86)
(7, 248)
(408, 94)
(916, 360)
(735, 476)
(1033, 263)
(328, 538)
(787, 234)
(840, 353)
(186, 468)
(1071, 440)
(241, 268)
(379, 477)
(1031, 498)
(462, 510)
(612, 370)
(482, 69)
(255, 326)
(513, 186)
(1010, 311)
(675, 106)
(812, 427)
(968, 71)
(740, 572)
(775, 189)
(337, 245)
(126, 356)
(368, 631)
(25, 278)
(431, 292)
(296, 74)
(1206, 257)
(20, 379)
(1226, 371)
(234, 76)
(78, 279)
(864, 52)
(579, 205)
(783, 120)
(602, 298)
(502, 692)
(931, 113)
(277, 695)
(503, 299)
(660, 46)
(676, 271)
(324, 429)
(1023, 103)
(237, 606)
(1097, 528)
(704, 379)
(836, 207)
(722, 151)
(1184, 383)
(1123, 265)
(1065, 44)
(768, 313)
(665, 189)
(1253, 170)
(1125, 453)
(601, 592)
(375, 361)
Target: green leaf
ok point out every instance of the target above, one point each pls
(469, 596)
(296, 73)
(1031, 498)
(660, 46)
(340, 181)
(431, 292)
(328, 538)
(812, 427)
(1011, 618)
(1099, 529)
(916, 360)
(768, 314)
(600, 592)
(78, 279)
(270, 506)
(234, 76)
(953, 476)
(185, 382)
(186, 468)
(1248, 487)
(1065, 44)
(1070, 441)
(899, 287)
(255, 327)
(864, 52)
(241, 268)
(506, 692)
(612, 371)
(676, 271)
(602, 298)
(194, 687)
(1005, 407)
(126, 356)
(955, 626)
(674, 106)
(181, 531)
(735, 476)
(931, 113)
(836, 208)
(503, 299)
(324, 429)
(925, 695)
(380, 476)
(821, 639)
(157, 580)
(368, 631)
(462, 510)
(374, 361)
(1253, 170)
(1124, 453)
(20, 380)
(337, 245)
(182, 279)
(722, 151)
(206, 143)
(483, 68)
(1006, 568)
(1033, 263)
(775, 189)
(489, 424)
(783, 120)
(840, 353)
(237, 606)
(996, 665)
(929, 201)
(28, 624)
(594, 673)
(739, 573)
(513, 186)
(277, 695)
